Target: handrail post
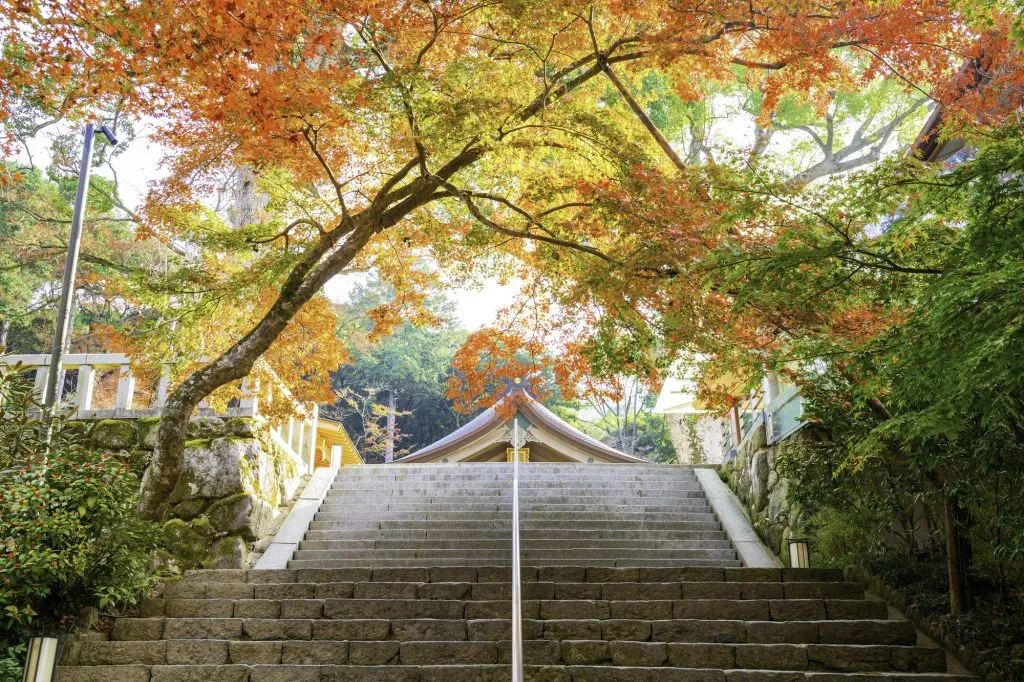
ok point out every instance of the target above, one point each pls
(517, 609)
(86, 385)
(125, 388)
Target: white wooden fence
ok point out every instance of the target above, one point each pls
(297, 435)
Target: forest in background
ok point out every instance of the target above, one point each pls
(404, 375)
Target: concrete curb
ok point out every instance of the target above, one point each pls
(752, 551)
(295, 526)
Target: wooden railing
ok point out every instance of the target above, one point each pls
(296, 435)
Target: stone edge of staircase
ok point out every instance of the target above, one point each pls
(752, 552)
(294, 528)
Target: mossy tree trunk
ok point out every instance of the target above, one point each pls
(332, 252)
(305, 280)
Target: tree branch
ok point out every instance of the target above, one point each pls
(314, 147)
(641, 114)
(479, 215)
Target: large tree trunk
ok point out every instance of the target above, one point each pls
(321, 262)
(305, 280)
(959, 556)
(5, 327)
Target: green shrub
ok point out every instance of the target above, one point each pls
(12, 661)
(994, 629)
(839, 537)
(69, 534)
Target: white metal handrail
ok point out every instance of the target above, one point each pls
(517, 606)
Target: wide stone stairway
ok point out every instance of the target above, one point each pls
(404, 575)
(597, 515)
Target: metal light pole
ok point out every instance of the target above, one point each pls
(52, 393)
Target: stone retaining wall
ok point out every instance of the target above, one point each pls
(697, 439)
(234, 486)
(753, 476)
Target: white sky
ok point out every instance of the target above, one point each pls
(475, 308)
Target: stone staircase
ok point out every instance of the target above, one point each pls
(596, 515)
(404, 576)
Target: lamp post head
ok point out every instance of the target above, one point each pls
(109, 134)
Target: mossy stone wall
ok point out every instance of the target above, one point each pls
(233, 485)
(753, 476)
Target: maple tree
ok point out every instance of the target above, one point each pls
(901, 302)
(501, 133)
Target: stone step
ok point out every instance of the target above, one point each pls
(554, 562)
(349, 522)
(404, 575)
(546, 479)
(449, 650)
(549, 478)
(441, 505)
(531, 468)
(566, 497)
(348, 585)
(531, 486)
(593, 519)
(451, 527)
(226, 622)
(707, 609)
(525, 477)
(892, 632)
(597, 518)
(500, 488)
(573, 574)
(478, 466)
(500, 534)
(596, 507)
(562, 496)
(526, 553)
(494, 469)
(420, 555)
(457, 673)
(524, 499)
(505, 544)
(239, 592)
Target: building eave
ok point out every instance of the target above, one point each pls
(481, 427)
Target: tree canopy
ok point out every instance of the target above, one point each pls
(512, 136)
